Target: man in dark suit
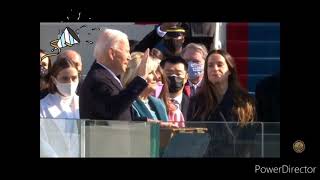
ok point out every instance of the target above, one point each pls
(176, 71)
(102, 95)
(195, 55)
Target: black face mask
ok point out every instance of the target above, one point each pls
(175, 83)
(172, 45)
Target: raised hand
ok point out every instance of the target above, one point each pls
(143, 68)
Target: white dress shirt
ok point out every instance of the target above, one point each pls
(178, 99)
(56, 106)
(160, 33)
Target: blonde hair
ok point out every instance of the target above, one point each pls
(132, 69)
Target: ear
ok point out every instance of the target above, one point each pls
(186, 78)
(111, 53)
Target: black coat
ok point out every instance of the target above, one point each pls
(185, 105)
(225, 107)
(227, 139)
(102, 97)
(79, 85)
(149, 41)
(268, 99)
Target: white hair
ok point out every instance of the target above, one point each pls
(197, 47)
(109, 38)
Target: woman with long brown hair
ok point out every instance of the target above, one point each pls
(221, 97)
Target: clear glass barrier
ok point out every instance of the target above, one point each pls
(60, 138)
(214, 139)
(271, 137)
(121, 139)
(102, 138)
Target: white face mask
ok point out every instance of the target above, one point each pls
(67, 89)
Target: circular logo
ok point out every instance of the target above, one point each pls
(299, 146)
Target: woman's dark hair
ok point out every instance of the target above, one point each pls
(243, 110)
(49, 61)
(164, 95)
(59, 65)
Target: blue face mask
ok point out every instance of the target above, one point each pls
(195, 70)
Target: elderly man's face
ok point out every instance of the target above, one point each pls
(122, 56)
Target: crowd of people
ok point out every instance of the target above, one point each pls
(159, 79)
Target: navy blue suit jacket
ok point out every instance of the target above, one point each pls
(102, 97)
